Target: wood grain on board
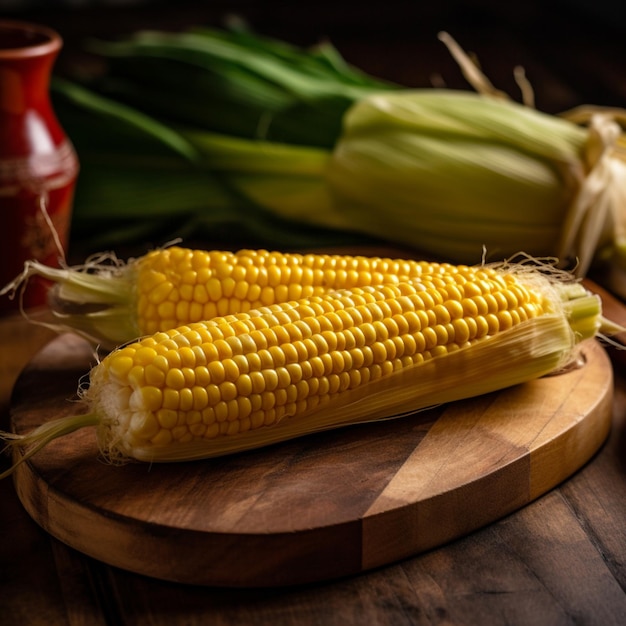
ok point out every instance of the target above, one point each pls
(315, 508)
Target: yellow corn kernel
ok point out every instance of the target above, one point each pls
(200, 284)
(162, 438)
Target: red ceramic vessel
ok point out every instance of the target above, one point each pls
(38, 164)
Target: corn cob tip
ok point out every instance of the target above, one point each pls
(582, 308)
(94, 299)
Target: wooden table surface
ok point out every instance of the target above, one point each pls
(559, 560)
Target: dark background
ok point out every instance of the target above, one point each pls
(573, 51)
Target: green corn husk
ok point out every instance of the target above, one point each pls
(236, 83)
(297, 148)
(143, 181)
(460, 170)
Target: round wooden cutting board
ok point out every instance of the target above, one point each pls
(323, 506)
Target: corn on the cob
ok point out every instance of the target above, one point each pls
(118, 302)
(250, 379)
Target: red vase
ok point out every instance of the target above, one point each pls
(38, 164)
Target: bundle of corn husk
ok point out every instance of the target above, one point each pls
(210, 132)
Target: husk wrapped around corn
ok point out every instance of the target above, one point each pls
(295, 148)
(493, 173)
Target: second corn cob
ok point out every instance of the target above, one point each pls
(114, 302)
